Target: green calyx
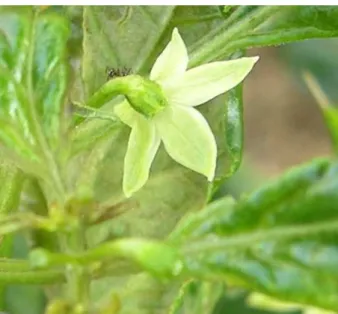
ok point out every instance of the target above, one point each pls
(144, 95)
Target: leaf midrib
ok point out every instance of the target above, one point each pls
(248, 239)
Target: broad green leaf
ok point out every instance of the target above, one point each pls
(74, 14)
(117, 37)
(281, 240)
(33, 83)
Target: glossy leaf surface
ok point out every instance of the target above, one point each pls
(280, 240)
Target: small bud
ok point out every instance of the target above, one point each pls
(144, 95)
(158, 258)
(58, 307)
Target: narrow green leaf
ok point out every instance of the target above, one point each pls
(294, 24)
(12, 181)
(50, 72)
(331, 120)
(281, 25)
(229, 129)
(330, 113)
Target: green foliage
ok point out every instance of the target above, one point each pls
(280, 240)
(270, 25)
(33, 84)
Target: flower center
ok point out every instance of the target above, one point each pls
(144, 95)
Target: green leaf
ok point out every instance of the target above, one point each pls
(33, 83)
(11, 180)
(119, 37)
(322, 18)
(263, 302)
(330, 113)
(50, 72)
(268, 25)
(281, 240)
(295, 24)
(225, 115)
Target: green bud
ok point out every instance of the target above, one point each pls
(58, 307)
(144, 95)
(158, 258)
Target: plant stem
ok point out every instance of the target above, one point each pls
(78, 276)
(32, 277)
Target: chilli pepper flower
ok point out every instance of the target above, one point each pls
(183, 130)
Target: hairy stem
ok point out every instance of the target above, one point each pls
(78, 276)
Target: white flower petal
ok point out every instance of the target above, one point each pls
(142, 147)
(205, 82)
(126, 113)
(172, 62)
(188, 139)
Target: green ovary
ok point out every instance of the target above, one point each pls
(145, 96)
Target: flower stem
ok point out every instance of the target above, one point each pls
(107, 91)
